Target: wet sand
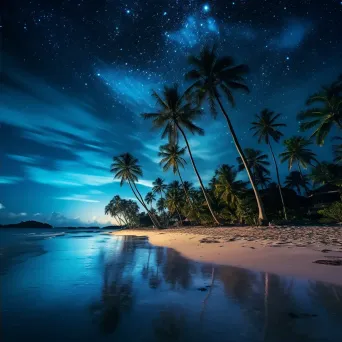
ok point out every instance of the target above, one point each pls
(292, 251)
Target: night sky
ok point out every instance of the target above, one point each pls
(77, 74)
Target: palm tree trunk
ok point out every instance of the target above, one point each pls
(186, 193)
(144, 205)
(155, 219)
(301, 175)
(262, 214)
(198, 176)
(278, 179)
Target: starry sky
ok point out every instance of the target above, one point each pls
(75, 75)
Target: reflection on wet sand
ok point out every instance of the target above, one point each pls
(270, 307)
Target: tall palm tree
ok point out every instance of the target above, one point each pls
(175, 115)
(266, 129)
(172, 157)
(257, 161)
(126, 168)
(296, 151)
(150, 198)
(328, 114)
(296, 181)
(213, 77)
(161, 205)
(338, 151)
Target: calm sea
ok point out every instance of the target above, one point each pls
(91, 286)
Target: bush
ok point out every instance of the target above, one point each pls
(333, 212)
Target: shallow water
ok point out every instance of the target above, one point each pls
(92, 286)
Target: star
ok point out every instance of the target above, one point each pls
(206, 8)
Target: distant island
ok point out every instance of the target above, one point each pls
(27, 224)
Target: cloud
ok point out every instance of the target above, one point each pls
(80, 198)
(292, 35)
(96, 192)
(132, 89)
(27, 103)
(22, 159)
(194, 31)
(15, 215)
(37, 214)
(10, 180)
(2, 206)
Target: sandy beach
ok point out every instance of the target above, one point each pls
(313, 252)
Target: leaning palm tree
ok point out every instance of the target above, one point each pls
(150, 198)
(126, 168)
(327, 115)
(172, 156)
(338, 151)
(296, 181)
(296, 151)
(266, 129)
(175, 116)
(257, 161)
(213, 77)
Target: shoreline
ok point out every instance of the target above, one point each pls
(264, 254)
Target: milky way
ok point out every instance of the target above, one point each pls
(77, 74)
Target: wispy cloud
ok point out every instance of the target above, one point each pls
(292, 35)
(10, 180)
(79, 198)
(15, 215)
(130, 88)
(22, 159)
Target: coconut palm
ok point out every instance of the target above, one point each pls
(174, 198)
(296, 151)
(338, 151)
(262, 179)
(175, 116)
(161, 205)
(257, 161)
(159, 186)
(266, 128)
(172, 157)
(227, 187)
(327, 173)
(150, 198)
(296, 181)
(126, 168)
(328, 114)
(212, 77)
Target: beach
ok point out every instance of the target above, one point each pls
(311, 252)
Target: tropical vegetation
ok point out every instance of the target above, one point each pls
(244, 193)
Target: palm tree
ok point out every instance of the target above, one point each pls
(329, 113)
(338, 151)
(159, 186)
(227, 187)
(161, 205)
(126, 168)
(257, 162)
(174, 116)
(327, 173)
(212, 77)
(262, 180)
(172, 157)
(296, 151)
(296, 181)
(150, 198)
(266, 129)
(173, 198)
